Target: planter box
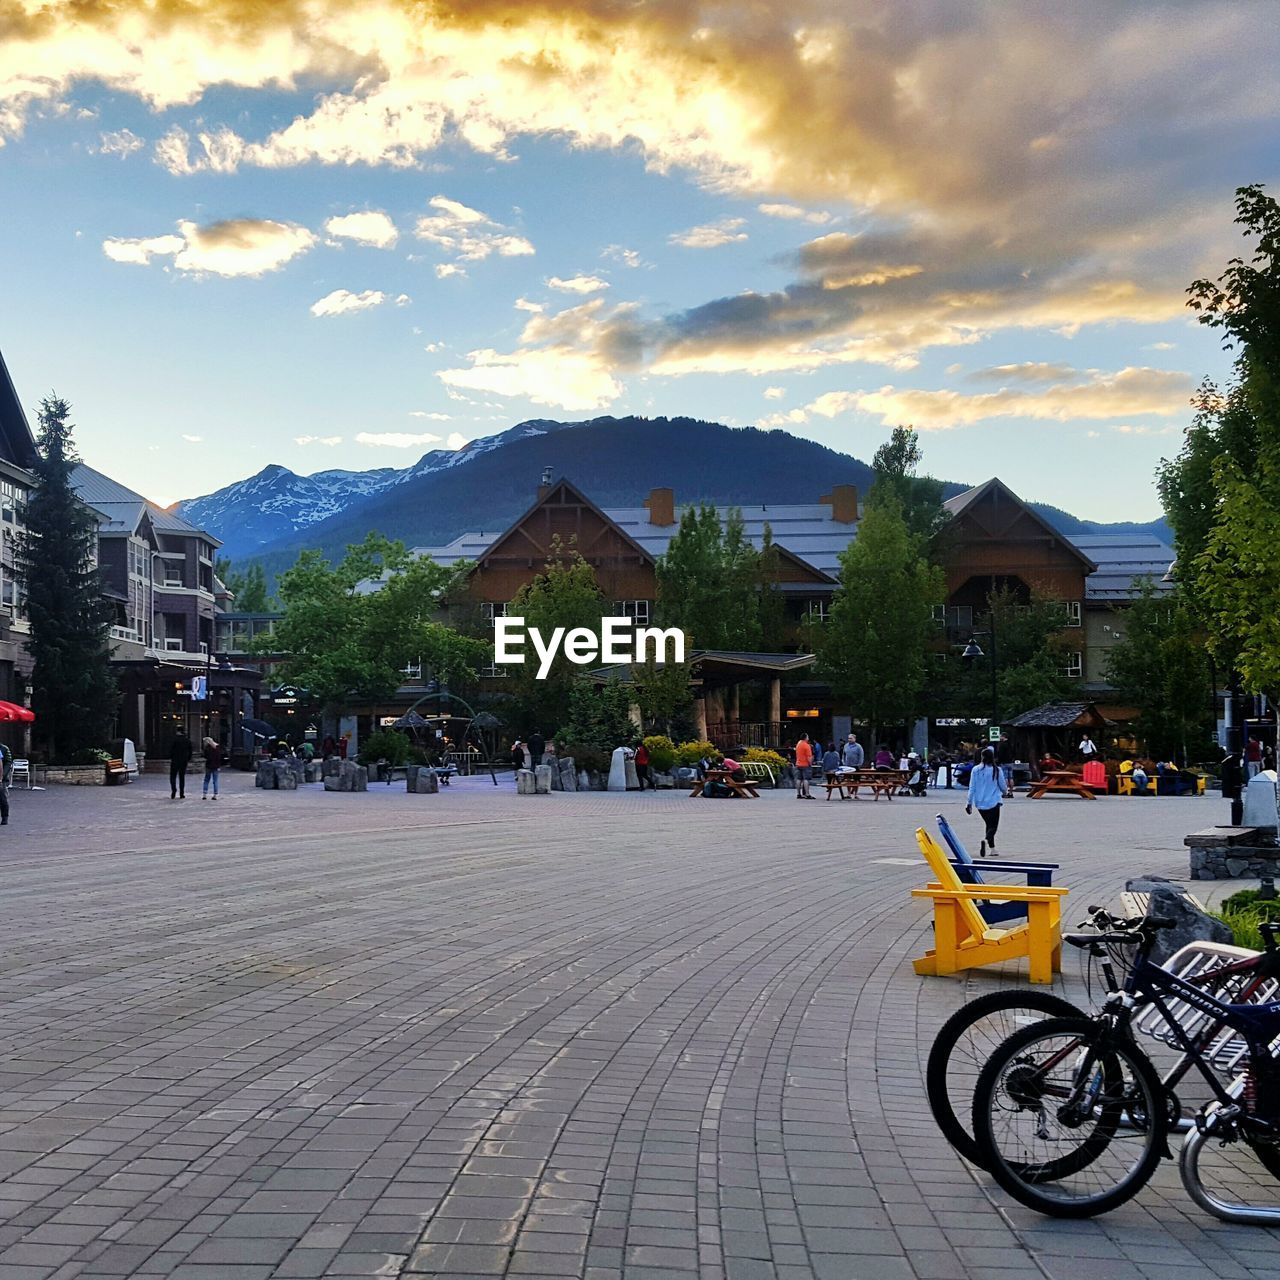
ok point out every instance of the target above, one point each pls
(70, 775)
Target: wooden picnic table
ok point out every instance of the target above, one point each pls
(888, 781)
(746, 789)
(1061, 782)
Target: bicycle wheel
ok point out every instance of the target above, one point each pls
(963, 1045)
(1066, 1124)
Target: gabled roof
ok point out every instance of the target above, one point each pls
(560, 488)
(996, 488)
(1061, 715)
(17, 444)
(125, 509)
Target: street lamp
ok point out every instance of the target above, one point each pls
(972, 651)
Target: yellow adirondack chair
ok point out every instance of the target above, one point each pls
(962, 938)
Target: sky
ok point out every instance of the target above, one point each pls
(333, 235)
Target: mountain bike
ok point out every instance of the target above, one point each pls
(967, 1039)
(1070, 1116)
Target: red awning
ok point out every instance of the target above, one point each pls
(10, 711)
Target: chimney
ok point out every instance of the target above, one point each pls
(843, 500)
(661, 504)
(544, 486)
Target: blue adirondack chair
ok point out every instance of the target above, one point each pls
(1039, 875)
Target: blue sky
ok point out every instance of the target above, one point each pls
(830, 217)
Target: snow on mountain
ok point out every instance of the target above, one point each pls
(277, 502)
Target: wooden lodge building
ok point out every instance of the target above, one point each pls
(994, 540)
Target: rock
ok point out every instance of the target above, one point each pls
(553, 769)
(584, 780)
(287, 781)
(618, 770)
(1191, 924)
(633, 778)
(330, 767)
(568, 775)
(526, 783)
(332, 782)
(266, 776)
(311, 771)
(542, 779)
(664, 781)
(421, 780)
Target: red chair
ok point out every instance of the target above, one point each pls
(1094, 774)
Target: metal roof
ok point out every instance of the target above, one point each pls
(124, 508)
(1122, 557)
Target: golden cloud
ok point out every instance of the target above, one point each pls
(467, 233)
(710, 235)
(237, 247)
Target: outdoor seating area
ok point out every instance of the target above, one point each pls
(736, 788)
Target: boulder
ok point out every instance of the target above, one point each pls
(1190, 923)
(553, 767)
(330, 767)
(311, 771)
(584, 780)
(287, 781)
(526, 783)
(568, 775)
(266, 775)
(421, 780)
(332, 782)
(542, 779)
(664, 781)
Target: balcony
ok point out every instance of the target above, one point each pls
(126, 633)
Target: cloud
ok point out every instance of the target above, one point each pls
(468, 234)
(524, 304)
(577, 284)
(395, 439)
(342, 301)
(120, 142)
(456, 440)
(1089, 395)
(370, 227)
(446, 269)
(324, 440)
(774, 393)
(1031, 372)
(238, 247)
(710, 235)
(194, 439)
(620, 253)
(219, 151)
(794, 213)
(431, 417)
(1160, 346)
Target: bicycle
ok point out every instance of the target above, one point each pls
(967, 1038)
(1071, 1118)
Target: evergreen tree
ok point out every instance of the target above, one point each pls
(874, 646)
(895, 464)
(73, 692)
(249, 589)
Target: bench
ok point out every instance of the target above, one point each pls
(962, 939)
(1039, 875)
(744, 789)
(1139, 904)
(887, 782)
(117, 772)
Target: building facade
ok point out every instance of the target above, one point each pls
(17, 457)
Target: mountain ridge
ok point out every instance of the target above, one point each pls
(270, 516)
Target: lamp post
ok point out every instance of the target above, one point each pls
(973, 650)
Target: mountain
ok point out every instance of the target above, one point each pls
(616, 461)
(277, 503)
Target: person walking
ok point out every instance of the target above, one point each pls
(853, 752)
(642, 767)
(6, 776)
(986, 791)
(212, 763)
(537, 744)
(179, 758)
(804, 764)
(1087, 748)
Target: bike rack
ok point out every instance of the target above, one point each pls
(1228, 1210)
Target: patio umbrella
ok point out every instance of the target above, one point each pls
(11, 712)
(410, 720)
(259, 728)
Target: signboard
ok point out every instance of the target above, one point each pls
(993, 733)
(385, 722)
(199, 688)
(955, 722)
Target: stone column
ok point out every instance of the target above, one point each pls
(775, 699)
(700, 717)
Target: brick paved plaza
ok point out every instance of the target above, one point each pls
(307, 1034)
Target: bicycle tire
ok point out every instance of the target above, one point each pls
(1039, 1184)
(942, 1076)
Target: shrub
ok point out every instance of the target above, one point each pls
(662, 752)
(761, 755)
(1243, 912)
(90, 755)
(689, 753)
(592, 759)
(386, 745)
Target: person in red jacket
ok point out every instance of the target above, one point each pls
(642, 767)
(804, 766)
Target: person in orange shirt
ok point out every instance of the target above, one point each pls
(804, 765)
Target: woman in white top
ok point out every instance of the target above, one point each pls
(986, 791)
(1087, 748)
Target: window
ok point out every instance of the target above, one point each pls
(960, 617)
(8, 593)
(1075, 665)
(817, 610)
(636, 610)
(488, 611)
(940, 615)
(1072, 608)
